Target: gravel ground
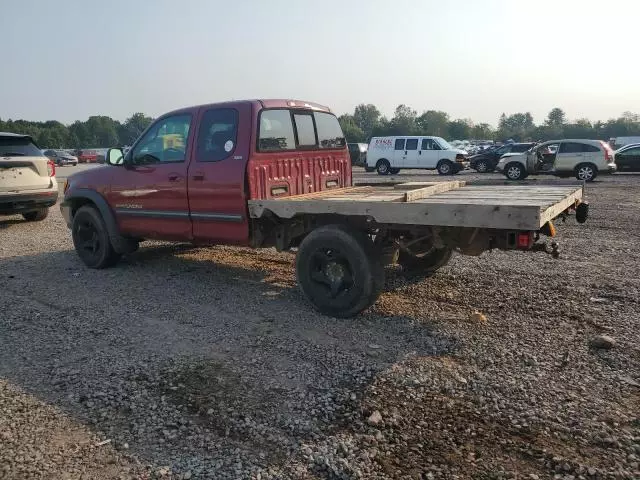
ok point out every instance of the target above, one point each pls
(206, 363)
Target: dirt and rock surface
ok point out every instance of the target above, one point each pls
(207, 363)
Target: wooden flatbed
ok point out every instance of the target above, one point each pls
(452, 204)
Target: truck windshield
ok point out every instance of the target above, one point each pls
(18, 146)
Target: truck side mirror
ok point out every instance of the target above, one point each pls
(114, 157)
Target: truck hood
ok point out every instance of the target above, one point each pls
(90, 178)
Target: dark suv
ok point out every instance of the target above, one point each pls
(487, 160)
(358, 153)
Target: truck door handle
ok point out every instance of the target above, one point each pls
(174, 177)
(199, 176)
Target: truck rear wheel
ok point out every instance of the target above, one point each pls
(91, 239)
(338, 270)
(425, 264)
(36, 215)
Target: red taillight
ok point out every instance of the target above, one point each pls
(51, 168)
(607, 152)
(525, 240)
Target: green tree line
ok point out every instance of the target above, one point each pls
(98, 131)
(367, 121)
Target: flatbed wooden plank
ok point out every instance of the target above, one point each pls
(326, 193)
(514, 208)
(420, 193)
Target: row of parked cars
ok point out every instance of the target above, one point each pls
(63, 157)
(585, 159)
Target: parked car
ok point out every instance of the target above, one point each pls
(487, 160)
(277, 173)
(358, 153)
(61, 157)
(27, 178)
(619, 142)
(627, 158)
(390, 154)
(86, 155)
(101, 154)
(584, 159)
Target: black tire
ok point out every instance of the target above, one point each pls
(587, 172)
(394, 171)
(445, 167)
(514, 171)
(383, 167)
(424, 265)
(482, 166)
(91, 239)
(369, 169)
(338, 270)
(36, 215)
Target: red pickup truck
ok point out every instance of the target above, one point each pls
(277, 173)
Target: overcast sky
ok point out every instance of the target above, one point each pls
(69, 59)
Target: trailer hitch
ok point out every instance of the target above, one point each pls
(552, 249)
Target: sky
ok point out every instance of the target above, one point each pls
(68, 59)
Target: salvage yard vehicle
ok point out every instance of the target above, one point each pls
(27, 178)
(61, 157)
(277, 173)
(584, 159)
(487, 160)
(627, 158)
(387, 155)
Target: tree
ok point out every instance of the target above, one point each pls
(366, 118)
(403, 121)
(460, 129)
(518, 126)
(556, 118)
(352, 132)
(433, 122)
(482, 131)
(133, 127)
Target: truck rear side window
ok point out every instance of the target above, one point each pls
(305, 129)
(276, 131)
(218, 134)
(313, 129)
(329, 132)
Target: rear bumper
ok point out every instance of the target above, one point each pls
(21, 203)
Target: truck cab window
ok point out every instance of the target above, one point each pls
(218, 134)
(276, 131)
(305, 129)
(165, 142)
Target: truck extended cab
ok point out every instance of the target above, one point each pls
(277, 173)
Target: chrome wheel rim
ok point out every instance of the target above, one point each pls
(585, 173)
(513, 173)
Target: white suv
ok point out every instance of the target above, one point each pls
(584, 159)
(389, 154)
(27, 178)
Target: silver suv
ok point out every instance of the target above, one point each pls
(27, 178)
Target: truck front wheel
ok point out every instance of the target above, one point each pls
(91, 239)
(338, 270)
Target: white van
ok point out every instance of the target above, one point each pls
(389, 154)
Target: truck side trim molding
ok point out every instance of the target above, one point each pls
(223, 217)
